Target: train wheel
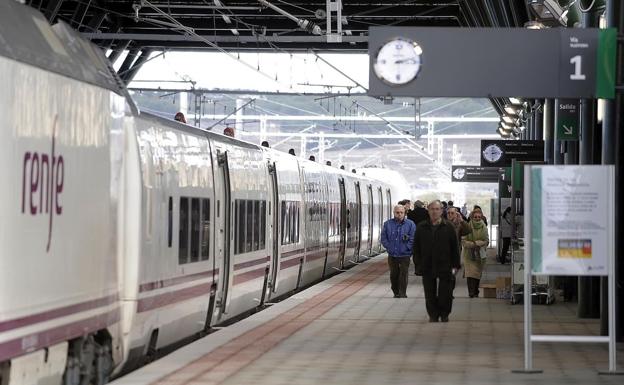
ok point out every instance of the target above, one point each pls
(88, 361)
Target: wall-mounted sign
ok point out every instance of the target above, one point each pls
(499, 153)
(567, 116)
(571, 219)
(466, 62)
(475, 174)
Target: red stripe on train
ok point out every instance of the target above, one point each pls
(168, 298)
(57, 313)
(176, 280)
(55, 335)
(248, 276)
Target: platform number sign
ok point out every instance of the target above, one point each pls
(578, 74)
(549, 63)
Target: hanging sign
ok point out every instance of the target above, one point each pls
(476, 174)
(568, 119)
(499, 153)
(492, 62)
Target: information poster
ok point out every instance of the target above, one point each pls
(572, 211)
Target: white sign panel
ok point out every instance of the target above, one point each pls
(571, 218)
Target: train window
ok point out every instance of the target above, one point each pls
(290, 222)
(195, 216)
(170, 223)
(239, 227)
(249, 226)
(184, 230)
(262, 236)
(256, 226)
(205, 229)
(285, 224)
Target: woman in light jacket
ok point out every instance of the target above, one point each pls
(473, 254)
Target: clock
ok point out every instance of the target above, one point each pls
(492, 153)
(459, 173)
(398, 61)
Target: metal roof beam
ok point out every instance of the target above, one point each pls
(218, 39)
(52, 9)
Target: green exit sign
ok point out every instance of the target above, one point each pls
(568, 118)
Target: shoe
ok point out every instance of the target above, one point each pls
(397, 296)
(403, 296)
(444, 319)
(432, 319)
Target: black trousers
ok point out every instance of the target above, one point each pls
(439, 294)
(399, 267)
(506, 243)
(473, 286)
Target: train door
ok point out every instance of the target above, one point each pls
(274, 218)
(369, 246)
(224, 211)
(381, 218)
(357, 219)
(343, 222)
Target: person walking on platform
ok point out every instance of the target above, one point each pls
(419, 213)
(461, 226)
(397, 237)
(436, 258)
(473, 254)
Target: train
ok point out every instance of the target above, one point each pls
(123, 232)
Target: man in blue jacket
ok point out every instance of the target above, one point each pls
(397, 237)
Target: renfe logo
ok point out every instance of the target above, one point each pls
(42, 183)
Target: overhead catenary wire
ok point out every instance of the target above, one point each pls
(192, 32)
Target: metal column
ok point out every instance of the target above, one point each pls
(549, 130)
(589, 287)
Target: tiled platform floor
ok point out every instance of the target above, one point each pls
(349, 330)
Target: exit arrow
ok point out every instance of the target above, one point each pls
(568, 130)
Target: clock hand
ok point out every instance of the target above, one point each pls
(406, 61)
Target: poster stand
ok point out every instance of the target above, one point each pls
(529, 338)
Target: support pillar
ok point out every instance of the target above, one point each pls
(549, 130)
(589, 287)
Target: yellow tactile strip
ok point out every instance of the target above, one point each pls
(216, 366)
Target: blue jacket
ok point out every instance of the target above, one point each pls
(398, 238)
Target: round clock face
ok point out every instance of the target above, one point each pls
(492, 153)
(398, 61)
(459, 173)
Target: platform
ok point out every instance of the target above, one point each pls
(350, 330)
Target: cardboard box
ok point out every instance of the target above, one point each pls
(503, 282)
(488, 290)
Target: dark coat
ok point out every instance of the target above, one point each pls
(418, 215)
(436, 252)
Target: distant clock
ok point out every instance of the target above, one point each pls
(459, 173)
(398, 61)
(492, 153)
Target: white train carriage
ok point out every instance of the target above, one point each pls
(316, 224)
(169, 261)
(247, 257)
(63, 115)
(335, 240)
(125, 232)
(287, 223)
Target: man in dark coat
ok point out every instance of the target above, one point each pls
(419, 213)
(436, 257)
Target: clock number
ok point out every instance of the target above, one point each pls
(578, 74)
